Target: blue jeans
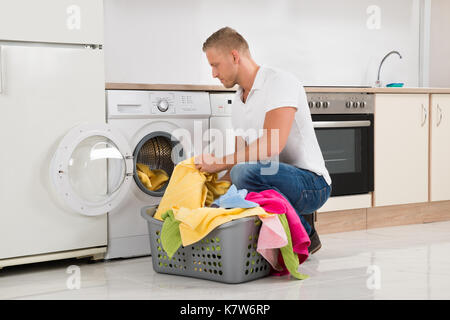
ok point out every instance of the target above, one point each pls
(305, 190)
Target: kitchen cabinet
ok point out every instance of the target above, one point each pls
(440, 147)
(401, 149)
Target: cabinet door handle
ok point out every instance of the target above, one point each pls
(426, 115)
(440, 115)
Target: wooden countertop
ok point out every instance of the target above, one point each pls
(194, 87)
(174, 87)
(378, 90)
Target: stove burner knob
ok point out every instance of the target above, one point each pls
(318, 104)
(326, 104)
(348, 104)
(355, 104)
(363, 104)
(311, 104)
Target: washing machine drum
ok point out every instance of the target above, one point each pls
(155, 158)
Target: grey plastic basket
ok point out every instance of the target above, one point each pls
(227, 254)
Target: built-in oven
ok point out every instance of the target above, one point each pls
(343, 123)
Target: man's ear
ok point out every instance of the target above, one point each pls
(236, 56)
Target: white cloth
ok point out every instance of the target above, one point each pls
(274, 88)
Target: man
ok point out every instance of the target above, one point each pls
(274, 101)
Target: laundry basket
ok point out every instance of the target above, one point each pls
(227, 254)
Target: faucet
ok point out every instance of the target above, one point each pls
(378, 82)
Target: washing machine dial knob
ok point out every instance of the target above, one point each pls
(163, 105)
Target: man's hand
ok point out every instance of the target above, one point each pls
(209, 163)
(226, 176)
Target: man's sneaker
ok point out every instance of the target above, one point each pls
(315, 243)
(314, 236)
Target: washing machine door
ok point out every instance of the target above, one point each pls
(92, 169)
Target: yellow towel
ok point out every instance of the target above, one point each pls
(197, 223)
(144, 179)
(151, 179)
(190, 188)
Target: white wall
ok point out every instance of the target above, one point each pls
(323, 42)
(439, 71)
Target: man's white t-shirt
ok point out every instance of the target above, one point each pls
(272, 89)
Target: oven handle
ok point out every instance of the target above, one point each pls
(341, 124)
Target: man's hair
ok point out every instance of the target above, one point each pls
(226, 38)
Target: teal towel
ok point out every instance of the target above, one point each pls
(289, 256)
(170, 233)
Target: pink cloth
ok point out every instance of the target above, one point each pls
(273, 202)
(271, 238)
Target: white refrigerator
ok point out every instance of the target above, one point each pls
(51, 81)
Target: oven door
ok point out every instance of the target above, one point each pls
(346, 141)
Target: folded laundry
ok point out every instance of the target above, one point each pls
(197, 223)
(273, 202)
(190, 188)
(152, 179)
(234, 198)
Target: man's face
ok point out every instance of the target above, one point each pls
(224, 67)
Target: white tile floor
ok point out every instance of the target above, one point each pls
(405, 262)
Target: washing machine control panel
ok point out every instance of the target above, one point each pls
(137, 103)
(162, 103)
(179, 102)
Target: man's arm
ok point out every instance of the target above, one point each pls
(239, 143)
(277, 126)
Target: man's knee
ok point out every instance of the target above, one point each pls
(243, 173)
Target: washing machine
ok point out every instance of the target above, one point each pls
(161, 128)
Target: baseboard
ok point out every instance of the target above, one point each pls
(379, 217)
(95, 253)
